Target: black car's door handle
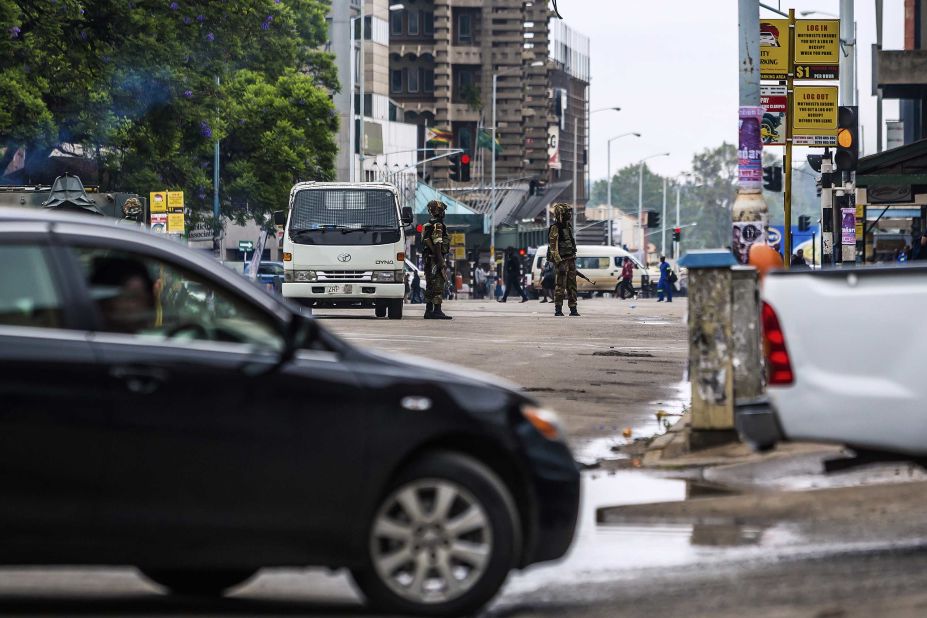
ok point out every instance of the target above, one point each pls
(139, 380)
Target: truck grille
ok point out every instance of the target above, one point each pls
(344, 275)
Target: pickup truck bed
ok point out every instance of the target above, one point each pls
(855, 341)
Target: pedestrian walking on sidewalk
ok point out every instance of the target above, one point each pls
(513, 276)
(626, 287)
(562, 250)
(416, 297)
(548, 281)
(667, 279)
(437, 245)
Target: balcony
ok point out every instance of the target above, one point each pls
(902, 74)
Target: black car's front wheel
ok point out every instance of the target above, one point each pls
(443, 539)
(197, 582)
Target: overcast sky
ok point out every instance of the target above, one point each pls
(671, 65)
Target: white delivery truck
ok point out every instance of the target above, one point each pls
(344, 246)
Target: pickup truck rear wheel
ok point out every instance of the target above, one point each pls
(395, 309)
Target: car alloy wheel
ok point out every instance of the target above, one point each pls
(431, 541)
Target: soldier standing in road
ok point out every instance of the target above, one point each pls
(562, 252)
(437, 244)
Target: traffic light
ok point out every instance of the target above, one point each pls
(804, 223)
(677, 234)
(522, 252)
(847, 138)
(653, 219)
(465, 167)
(454, 167)
(772, 178)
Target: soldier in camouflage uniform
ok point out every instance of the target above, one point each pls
(562, 252)
(437, 244)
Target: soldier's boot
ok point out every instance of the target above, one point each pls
(574, 312)
(558, 310)
(429, 310)
(437, 314)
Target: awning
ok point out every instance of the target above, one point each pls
(425, 193)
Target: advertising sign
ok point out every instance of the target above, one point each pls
(174, 201)
(774, 48)
(159, 222)
(774, 100)
(848, 226)
(750, 150)
(815, 116)
(553, 147)
(157, 201)
(817, 48)
(175, 223)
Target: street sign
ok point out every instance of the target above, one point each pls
(774, 48)
(458, 238)
(774, 100)
(157, 201)
(246, 245)
(460, 253)
(815, 116)
(817, 48)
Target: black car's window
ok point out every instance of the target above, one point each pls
(27, 291)
(143, 296)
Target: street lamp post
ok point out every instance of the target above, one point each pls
(640, 202)
(609, 181)
(678, 191)
(492, 189)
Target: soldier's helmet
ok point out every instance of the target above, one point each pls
(563, 213)
(436, 208)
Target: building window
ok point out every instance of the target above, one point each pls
(465, 28)
(396, 82)
(395, 22)
(428, 23)
(368, 26)
(412, 83)
(413, 23)
(428, 80)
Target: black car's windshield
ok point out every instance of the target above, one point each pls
(344, 216)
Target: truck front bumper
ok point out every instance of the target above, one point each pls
(757, 423)
(343, 293)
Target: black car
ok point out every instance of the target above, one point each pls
(201, 435)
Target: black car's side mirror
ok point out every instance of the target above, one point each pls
(280, 218)
(301, 333)
(407, 217)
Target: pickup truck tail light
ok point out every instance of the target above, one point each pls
(778, 365)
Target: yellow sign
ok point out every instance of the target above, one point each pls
(774, 48)
(157, 201)
(175, 223)
(815, 116)
(175, 200)
(460, 253)
(458, 239)
(860, 221)
(817, 45)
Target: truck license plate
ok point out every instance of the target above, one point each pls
(338, 289)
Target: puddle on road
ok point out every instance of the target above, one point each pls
(622, 551)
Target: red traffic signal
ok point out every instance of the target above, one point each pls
(419, 228)
(465, 159)
(522, 252)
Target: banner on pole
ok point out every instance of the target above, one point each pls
(774, 100)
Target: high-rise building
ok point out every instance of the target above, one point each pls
(443, 55)
(389, 143)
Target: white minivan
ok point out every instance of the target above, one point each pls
(344, 246)
(600, 263)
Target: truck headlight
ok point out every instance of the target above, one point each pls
(300, 276)
(545, 421)
(384, 276)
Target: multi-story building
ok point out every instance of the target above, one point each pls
(443, 55)
(389, 143)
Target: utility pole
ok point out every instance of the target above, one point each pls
(875, 87)
(675, 242)
(750, 207)
(492, 190)
(363, 173)
(215, 194)
(663, 221)
(847, 54)
(575, 158)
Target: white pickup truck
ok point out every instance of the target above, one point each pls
(845, 359)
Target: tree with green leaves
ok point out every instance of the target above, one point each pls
(145, 87)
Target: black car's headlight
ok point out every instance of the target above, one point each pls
(545, 421)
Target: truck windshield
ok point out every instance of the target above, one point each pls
(344, 217)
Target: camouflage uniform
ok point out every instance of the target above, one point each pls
(437, 244)
(562, 252)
